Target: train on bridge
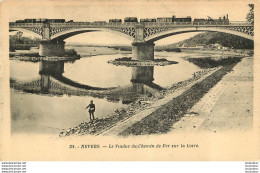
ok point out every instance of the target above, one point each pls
(223, 20)
(41, 20)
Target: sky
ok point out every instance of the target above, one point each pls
(103, 10)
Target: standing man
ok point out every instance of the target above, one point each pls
(91, 110)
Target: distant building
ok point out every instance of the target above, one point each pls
(200, 46)
(184, 45)
(217, 46)
(225, 48)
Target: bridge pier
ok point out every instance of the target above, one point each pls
(45, 83)
(47, 69)
(142, 75)
(52, 48)
(53, 68)
(142, 51)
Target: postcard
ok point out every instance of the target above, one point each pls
(114, 80)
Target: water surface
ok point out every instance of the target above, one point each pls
(47, 113)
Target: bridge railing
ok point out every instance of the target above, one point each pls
(24, 24)
(166, 23)
(209, 23)
(89, 24)
(239, 23)
(128, 24)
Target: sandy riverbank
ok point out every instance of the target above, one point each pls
(88, 51)
(227, 107)
(83, 51)
(33, 56)
(229, 52)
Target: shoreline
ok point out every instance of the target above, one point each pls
(163, 116)
(52, 58)
(106, 50)
(236, 52)
(69, 55)
(99, 126)
(161, 120)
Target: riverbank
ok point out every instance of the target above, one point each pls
(162, 120)
(158, 112)
(32, 56)
(100, 126)
(52, 58)
(229, 104)
(231, 52)
(109, 120)
(89, 51)
(82, 51)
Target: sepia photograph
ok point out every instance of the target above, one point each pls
(159, 80)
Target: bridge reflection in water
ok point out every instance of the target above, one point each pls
(142, 76)
(55, 69)
(48, 69)
(54, 83)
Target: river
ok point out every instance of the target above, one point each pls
(48, 113)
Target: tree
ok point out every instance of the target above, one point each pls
(250, 15)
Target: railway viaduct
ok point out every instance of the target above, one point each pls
(142, 35)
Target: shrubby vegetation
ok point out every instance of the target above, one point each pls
(22, 43)
(226, 40)
(250, 15)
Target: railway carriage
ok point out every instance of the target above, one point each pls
(115, 20)
(168, 20)
(147, 20)
(130, 19)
